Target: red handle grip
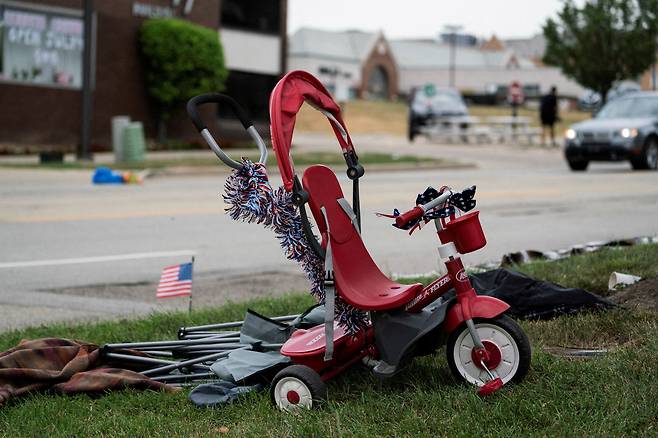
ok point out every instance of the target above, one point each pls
(402, 220)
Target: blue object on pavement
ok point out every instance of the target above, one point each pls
(105, 175)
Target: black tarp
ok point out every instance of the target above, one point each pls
(530, 298)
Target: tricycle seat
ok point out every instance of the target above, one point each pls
(358, 279)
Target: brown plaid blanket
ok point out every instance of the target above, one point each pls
(64, 366)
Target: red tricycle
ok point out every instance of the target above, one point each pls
(484, 346)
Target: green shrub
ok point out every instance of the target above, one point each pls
(181, 60)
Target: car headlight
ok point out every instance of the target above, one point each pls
(629, 132)
(570, 134)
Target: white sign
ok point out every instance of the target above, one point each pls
(41, 48)
(152, 11)
(155, 11)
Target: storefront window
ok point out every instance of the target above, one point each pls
(252, 15)
(251, 90)
(40, 47)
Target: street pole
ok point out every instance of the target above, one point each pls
(452, 33)
(452, 60)
(84, 150)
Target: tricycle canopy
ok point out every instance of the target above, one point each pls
(295, 88)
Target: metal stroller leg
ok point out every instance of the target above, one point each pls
(234, 324)
(185, 363)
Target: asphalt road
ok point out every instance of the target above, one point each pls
(71, 250)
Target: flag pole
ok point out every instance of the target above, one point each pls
(189, 310)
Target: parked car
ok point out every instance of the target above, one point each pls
(624, 129)
(591, 100)
(623, 88)
(431, 105)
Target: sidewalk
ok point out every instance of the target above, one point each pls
(204, 162)
(316, 142)
(105, 158)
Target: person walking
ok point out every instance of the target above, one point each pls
(515, 97)
(548, 115)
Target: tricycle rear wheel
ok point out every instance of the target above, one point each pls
(298, 386)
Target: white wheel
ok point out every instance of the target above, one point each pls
(508, 348)
(298, 387)
(291, 393)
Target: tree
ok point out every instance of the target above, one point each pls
(603, 42)
(181, 60)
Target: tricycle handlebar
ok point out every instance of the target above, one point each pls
(419, 210)
(402, 220)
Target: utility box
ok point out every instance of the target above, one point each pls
(134, 145)
(119, 123)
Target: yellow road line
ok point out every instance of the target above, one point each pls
(90, 216)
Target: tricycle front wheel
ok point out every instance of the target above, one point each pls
(507, 344)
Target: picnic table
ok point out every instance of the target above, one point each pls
(510, 128)
(470, 129)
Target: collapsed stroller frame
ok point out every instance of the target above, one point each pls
(484, 347)
(188, 359)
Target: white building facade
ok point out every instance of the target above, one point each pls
(478, 69)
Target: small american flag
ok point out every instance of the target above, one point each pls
(175, 281)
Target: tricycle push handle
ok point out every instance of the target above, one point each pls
(419, 210)
(192, 111)
(437, 201)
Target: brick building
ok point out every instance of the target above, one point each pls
(41, 47)
(363, 59)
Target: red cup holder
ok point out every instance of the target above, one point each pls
(465, 232)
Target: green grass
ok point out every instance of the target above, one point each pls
(588, 271)
(382, 117)
(614, 395)
(301, 159)
(591, 271)
(158, 325)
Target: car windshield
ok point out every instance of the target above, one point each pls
(630, 107)
(446, 97)
(439, 94)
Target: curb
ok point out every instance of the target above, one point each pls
(223, 170)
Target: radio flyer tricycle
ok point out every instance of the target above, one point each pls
(390, 323)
